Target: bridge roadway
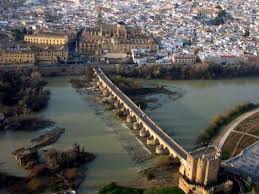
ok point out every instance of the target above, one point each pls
(170, 143)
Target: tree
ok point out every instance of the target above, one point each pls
(70, 173)
(17, 34)
(89, 73)
(247, 33)
(34, 185)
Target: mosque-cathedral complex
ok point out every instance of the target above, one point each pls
(114, 38)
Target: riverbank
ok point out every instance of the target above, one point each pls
(202, 71)
(140, 94)
(140, 134)
(198, 71)
(162, 178)
(239, 134)
(117, 189)
(89, 123)
(221, 120)
(22, 93)
(48, 169)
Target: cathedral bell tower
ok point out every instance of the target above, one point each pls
(99, 23)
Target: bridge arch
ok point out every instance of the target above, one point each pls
(136, 115)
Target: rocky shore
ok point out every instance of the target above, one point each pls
(48, 169)
(53, 171)
(22, 94)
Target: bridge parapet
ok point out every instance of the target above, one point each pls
(159, 134)
(197, 168)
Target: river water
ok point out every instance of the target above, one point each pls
(117, 150)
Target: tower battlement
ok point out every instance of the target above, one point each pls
(202, 166)
(209, 153)
(200, 173)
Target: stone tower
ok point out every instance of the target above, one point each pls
(201, 170)
(99, 22)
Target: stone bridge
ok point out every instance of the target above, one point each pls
(142, 122)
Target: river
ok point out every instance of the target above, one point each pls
(116, 148)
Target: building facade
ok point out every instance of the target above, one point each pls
(47, 38)
(17, 57)
(51, 55)
(114, 38)
(33, 54)
(182, 59)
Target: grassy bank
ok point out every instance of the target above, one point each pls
(219, 121)
(113, 188)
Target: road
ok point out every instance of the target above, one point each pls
(246, 133)
(220, 142)
(144, 118)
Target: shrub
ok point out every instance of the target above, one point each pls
(38, 170)
(34, 185)
(113, 188)
(37, 103)
(166, 190)
(70, 173)
(225, 155)
(222, 119)
(150, 175)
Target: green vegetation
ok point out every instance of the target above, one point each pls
(256, 188)
(167, 190)
(51, 171)
(221, 120)
(89, 74)
(21, 93)
(18, 34)
(137, 92)
(113, 188)
(23, 90)
(220, 19)
(225, 155)
(196, 71)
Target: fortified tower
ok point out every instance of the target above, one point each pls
(203, 165)
(200, 173)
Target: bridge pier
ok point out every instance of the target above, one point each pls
(102, 88)
(123, 113)
(134, 118)
(137, 126)
(143, 133)
(111, 100)
(160, 150)
(98, 83)
(117, 105)
(129, 119)
(105, 93)
(152, 141)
